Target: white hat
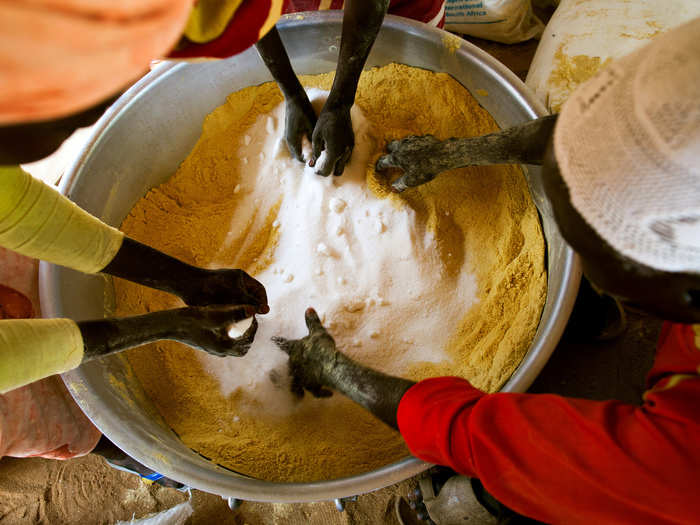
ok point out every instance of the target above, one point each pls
(628, 147)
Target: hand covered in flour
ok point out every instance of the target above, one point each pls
(311, 358)
(333, 133)
(300, 120)
(420, 158)
(207, 328)
(225, 287)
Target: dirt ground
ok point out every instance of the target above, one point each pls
(87, 491)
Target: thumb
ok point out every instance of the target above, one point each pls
(313, 323)
(317, 145)
(238, 313)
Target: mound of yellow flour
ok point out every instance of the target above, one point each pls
(446, 279)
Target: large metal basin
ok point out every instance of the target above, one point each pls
(141, 141)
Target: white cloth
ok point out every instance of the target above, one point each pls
(628, 145)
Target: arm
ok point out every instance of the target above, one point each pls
(32, 349)
(555, 459)
(333, 131)
(38, 222)
(423, 158)
(142, 264)
(315, 364)
(300, 117)
(563, 460)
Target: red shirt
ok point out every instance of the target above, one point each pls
(563, 460)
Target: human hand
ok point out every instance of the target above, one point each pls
(206, 328)
(300, 120)
(310, 358)
(225, 287)
(333, 133)
(419, 157)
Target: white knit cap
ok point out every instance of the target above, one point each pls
(628, 147)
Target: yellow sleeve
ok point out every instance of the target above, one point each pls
(39, 222)
(32, 349)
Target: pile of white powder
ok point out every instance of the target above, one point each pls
(371, 272)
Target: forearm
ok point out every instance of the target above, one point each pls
(144, 265)
(32, 349)
(361, 22)
(522, 144)
(273, 53)
(377, 392)
(108, 336)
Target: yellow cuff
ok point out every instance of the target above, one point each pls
(32, 349)
(209, 18)
(39, 222)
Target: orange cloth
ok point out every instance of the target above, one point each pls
(59, 57)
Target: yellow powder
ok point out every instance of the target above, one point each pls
(451, 42)
(569, 72)
(487, 208)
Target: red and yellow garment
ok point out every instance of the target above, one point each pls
(220, 29)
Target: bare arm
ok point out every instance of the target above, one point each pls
(300, 118)
(204, 328)
(333, 132)
(315, 365)
(142, 264)
(423, 158)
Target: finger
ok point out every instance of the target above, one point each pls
(239, 312)
(275, 377)
(327, 167)
(313, 323)
(258, 295)
(384, 162)
(320, 391)
(411, 180)
(294, 146)
(283, 344)
(253, 291)
(226, 347)
(317, 146)
(399, 185)
(238, 349)
(342, 161)
(393, 146)
(297, 388)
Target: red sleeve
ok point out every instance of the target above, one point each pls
(563, 460)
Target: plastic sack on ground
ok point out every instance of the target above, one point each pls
(177, 515)
(507, 21)
(585, 35)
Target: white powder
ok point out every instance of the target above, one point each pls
(238, 328)
(337, 205)
(367, 268)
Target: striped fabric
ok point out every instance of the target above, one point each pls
(219, 29)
